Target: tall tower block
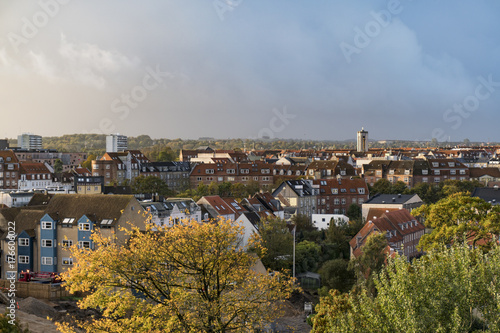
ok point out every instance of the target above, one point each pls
(362, 145)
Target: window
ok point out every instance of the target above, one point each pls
(425, 179)
(361, 190)
(209, 171)
(342, 172)
(67, 261)
(343, 201)
(84, 244)
(256, 178)
(67, 243)
(24, 259)
(407, 172)
(335, 190)
(46, 225)
(245, 170)
(84, 226)
(23, 241)
(391, 172)
(451, 164)
(107, 166)
(462, 171)
(230, 179)
(47, 260)
(435, 164)
(436, 180)
(230, 171)
(336, 201)
(47, 243)
(436, 172)
(198, 179)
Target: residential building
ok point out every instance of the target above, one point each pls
(244, 173)
(172, 211)
(442, 169)
(34, 176)
(174, 174)
(9, 170)
(402, 230)
(119, 167)
(488, 194)
(322, 221)
(391, 201)
(486, 176)
(29, 141)
(71, 218)
(298, 197)
(336, 195)
(88, 184)
(214, 207)
(116, 143)
(15, 198)
(330, 169)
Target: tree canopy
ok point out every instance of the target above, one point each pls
(460, 217)
(448, 290)
(191, 277)
(150, 184)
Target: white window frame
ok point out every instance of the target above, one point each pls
(67, 243)
(81, 226)
(47, 260)
(46, 225)
(23, 241)
(49, 241)
(67, 261)
(24, 259)
(81, 245)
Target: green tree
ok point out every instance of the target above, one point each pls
(398, 187)
(88, 162)
(188, 278)
(11, 325)
(58, 166)
(354, 212)
(277, 240)
(252, 187)
(307, 256)
(303, 223)
(150, 184)
(448, 290)
(371, 261)
(381, 186)
(335, 274)
(459, 218)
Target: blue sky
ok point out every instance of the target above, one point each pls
(307, 70)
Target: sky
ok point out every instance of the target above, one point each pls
(408, 70)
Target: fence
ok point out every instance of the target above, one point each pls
(36, 290)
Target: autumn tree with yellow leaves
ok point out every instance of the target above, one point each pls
(194, 277)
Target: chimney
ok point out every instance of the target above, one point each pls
(399, 195)
(393, 199)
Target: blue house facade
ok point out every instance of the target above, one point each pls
(48, 244)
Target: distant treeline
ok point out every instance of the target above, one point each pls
(96, 144)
